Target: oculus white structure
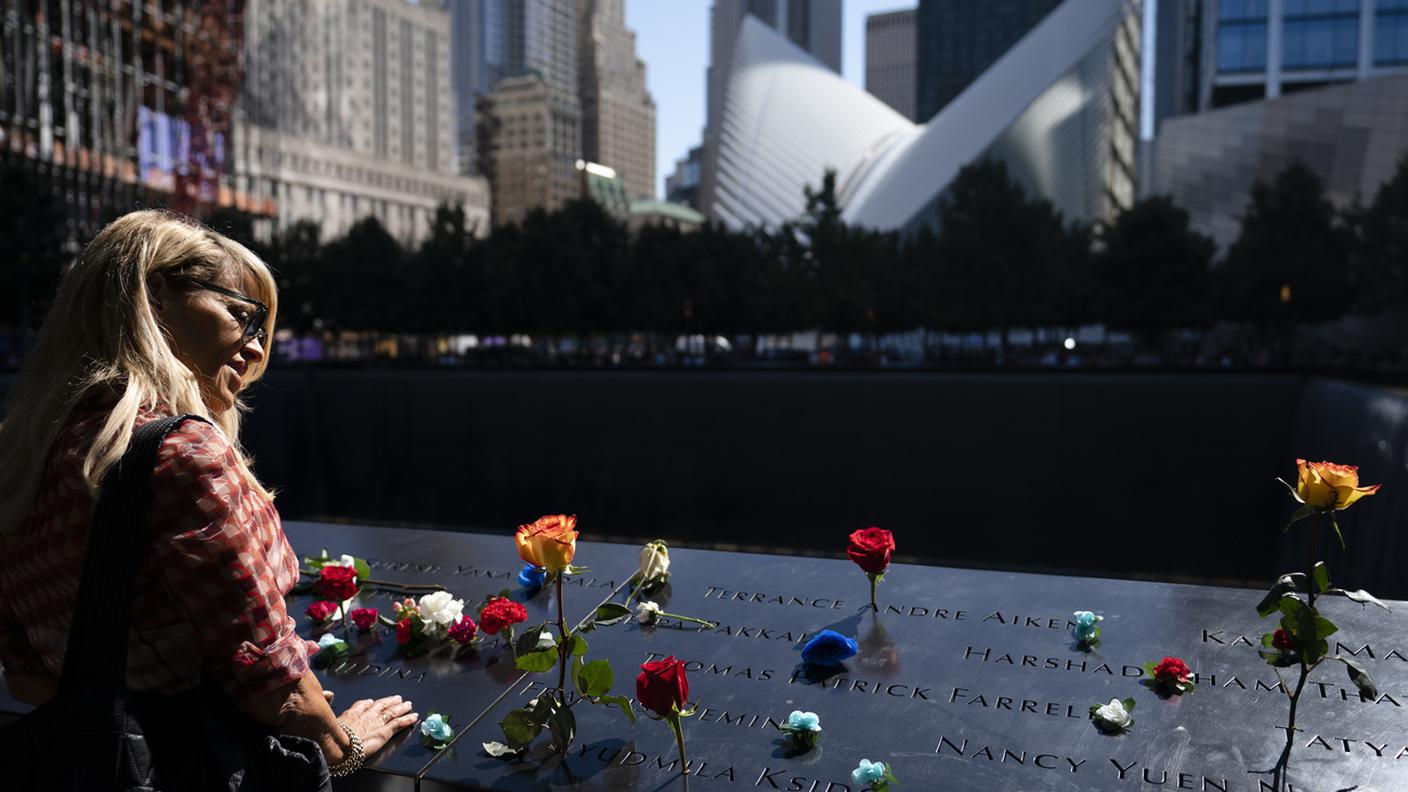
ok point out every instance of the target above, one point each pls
(1060, 109)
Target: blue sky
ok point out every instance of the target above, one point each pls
(672, 37)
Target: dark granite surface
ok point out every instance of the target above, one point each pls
(965, 680)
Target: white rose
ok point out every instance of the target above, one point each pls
(1114, 714)
(545, 640)
(647, 612)
(347, 561)
(441, 608)
(654, 561)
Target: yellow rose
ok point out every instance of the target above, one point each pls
(549, 542)
(1326, 486)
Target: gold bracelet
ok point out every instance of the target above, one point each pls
(352, 760)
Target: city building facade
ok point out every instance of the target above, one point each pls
(346, 111)
(891, 61)
(523, 88)
(1260, 49)
(1060, 109)
(618, 113)
(958, 40)
(528, 136)
(682, 186)
(479, 58)
(112, 105)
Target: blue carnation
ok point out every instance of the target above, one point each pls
(532, 577)
(828, 648)
(1087, 626)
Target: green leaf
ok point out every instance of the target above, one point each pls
(563, 726)
(528, 641)
(575, 673)
(520, 728)
(498, 750)
(1284, 585)
(540, 660)
(610, 613)
(1360, 596)
(1324, 628)
(362, 568)
(1128, 705)
(1269, 640)
(595, 678)
(1334, 524)
(579, 644)
(623, 703)
(1322, 577)
(1359, 676)
(1301, 513)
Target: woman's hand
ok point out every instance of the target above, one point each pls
(377, 721)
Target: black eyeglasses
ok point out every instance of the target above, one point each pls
(254, 325)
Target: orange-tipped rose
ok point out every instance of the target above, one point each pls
(1326, 486)
(550, 542)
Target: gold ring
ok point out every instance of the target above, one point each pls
(385, 718)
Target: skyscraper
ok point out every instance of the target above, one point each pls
(347, 113)
(538, 44)
(478, 44)
(890, 59)
(618, 114)
(959, 39)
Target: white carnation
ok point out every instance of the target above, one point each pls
(441, 608)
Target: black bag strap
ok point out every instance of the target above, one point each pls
(95, 662)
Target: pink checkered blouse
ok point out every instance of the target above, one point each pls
(210, 595)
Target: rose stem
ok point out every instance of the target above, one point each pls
(873, 606)
(1310, 594)
(679, 738)
(561, 647)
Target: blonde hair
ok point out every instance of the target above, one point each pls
(102, 334)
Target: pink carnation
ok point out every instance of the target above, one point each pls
(464, 630)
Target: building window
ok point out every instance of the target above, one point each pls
(1391, 32)
(1241, 36)
(1321, 34)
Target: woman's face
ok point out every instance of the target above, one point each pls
(206, 331)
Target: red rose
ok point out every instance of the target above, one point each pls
(463, 631)
(662, 686)
(321, 611)
(403, 631)
(501, 613)
(337, 583)
(1171, 669)
(1282, 640)
(870, 548)
(364, 618)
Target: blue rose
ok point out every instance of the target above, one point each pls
(1087, 626)
(804, 721)
(868, 772)
(828, 648)
(435, 727)
(532, 577)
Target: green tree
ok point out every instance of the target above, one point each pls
(1290, 262)
(1005, 260)
(1380, 258)
(296, 255)
(1151, 270)
(363, 279)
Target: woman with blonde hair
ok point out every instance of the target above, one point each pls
(161, 316)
